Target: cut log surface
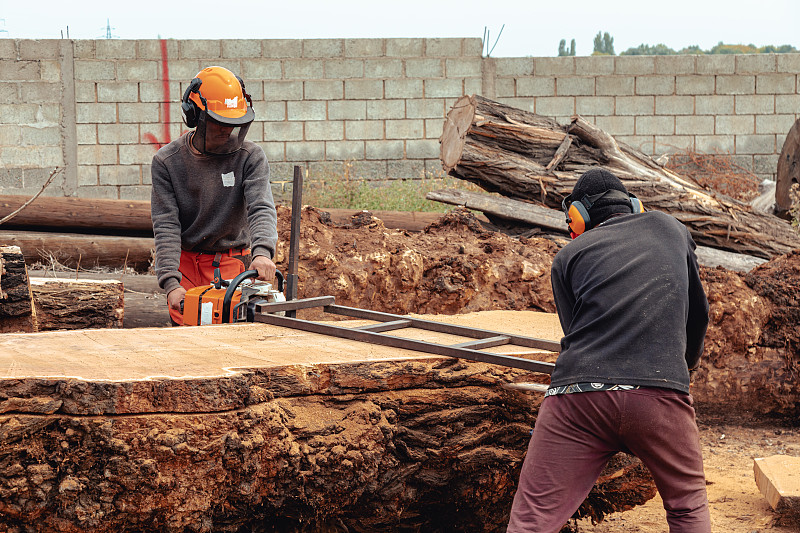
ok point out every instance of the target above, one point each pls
(226, 428)
(525, 156)
(778, 479)
(17, 313)
(77, 304)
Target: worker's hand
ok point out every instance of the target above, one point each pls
(265, 266)
(175, 297)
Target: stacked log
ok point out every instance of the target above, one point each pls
(77, 304)
(17, 313)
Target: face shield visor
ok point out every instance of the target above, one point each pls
(214, 137)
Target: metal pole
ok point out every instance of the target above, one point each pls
(294, 237)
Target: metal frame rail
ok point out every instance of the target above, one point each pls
(373, 333)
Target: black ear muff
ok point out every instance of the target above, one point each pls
(244, 92)
(189, 110)
(636, 205)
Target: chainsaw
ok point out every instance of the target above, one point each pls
(228, 301)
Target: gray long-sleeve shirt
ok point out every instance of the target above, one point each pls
(209, 203)
(631, 304)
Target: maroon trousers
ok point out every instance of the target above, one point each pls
(576, 434)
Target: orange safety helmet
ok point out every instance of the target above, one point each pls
(221, 94)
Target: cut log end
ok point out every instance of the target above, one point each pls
(455, 129)
(788, 169)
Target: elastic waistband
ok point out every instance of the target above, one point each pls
(232, 252)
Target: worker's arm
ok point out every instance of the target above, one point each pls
(697, 319)
(262, 218)
(166, 227)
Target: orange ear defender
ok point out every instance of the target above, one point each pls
(577, 211)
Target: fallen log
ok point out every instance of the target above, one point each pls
(532, 158)
(17, 313)
(77, 304)
(133, 430)
(77, 250)
(788, 170)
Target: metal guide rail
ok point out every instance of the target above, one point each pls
(373, 333)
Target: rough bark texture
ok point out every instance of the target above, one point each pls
(74, 213)
(17, 313)
(788, 170)
(431, 445)
(78, 304)
(516, 153)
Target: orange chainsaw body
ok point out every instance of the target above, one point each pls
(203, 305)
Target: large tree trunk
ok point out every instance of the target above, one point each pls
(77, 304)
(74, 213)
(532, 158)
(17, 313)
(255, 427)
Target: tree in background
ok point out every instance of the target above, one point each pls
(721, 48)
(647, 50)
(603, 44)
(562, 48)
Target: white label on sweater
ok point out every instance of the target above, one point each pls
(228, 179)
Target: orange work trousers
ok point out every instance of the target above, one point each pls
(197, 269)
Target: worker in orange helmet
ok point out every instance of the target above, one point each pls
(211, 201)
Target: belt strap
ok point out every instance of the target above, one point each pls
(228, 253)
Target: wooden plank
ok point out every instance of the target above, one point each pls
(778, 479)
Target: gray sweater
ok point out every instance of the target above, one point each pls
(631, 304)
(209, 203)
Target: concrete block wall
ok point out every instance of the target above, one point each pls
(370, 108)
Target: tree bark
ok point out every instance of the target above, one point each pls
(788, 170)
(17, 313)
(83, 213)
(524, 156)
(77, 304)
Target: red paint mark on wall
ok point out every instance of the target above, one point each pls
(166, 120)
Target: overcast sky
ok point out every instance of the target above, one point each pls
(532, 27)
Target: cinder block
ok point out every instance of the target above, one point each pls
(694, 84)
(433, 128)
(424, 68)
(87, 134)
(505, 88)
(260, 69)
(766, 164)
(716, 64)
(473, 86)
(786, 62)
(47, 136)
(9, 92)
(528, 104)
(323, 90)
(344, 68)
(40, 92)
(735, 124)
(303, 110)
(443, 47)
(182, 69)
(283, 131)
(347, 110)
(10, 135)
(738, 84)
(50, 70)
(514, 66)
(242, 48)
(85, 91)
(405, 129)
(678, 64)
(115, 49)
(463, 67)
(674, 105)
(425, 108)
(714, 105)
(383, 68)
(673, 143)
(118, 133)
(344, 150)
(776, 84)
(444, 88)
(154, 91)
(136, 154)
(655, 85)
(87, 175)
(778, 124)
(634, 65)
(135, 192)
(324, 130)
(137, 69)
(282, 48)
(279, 110)
(99, 154)
(615, 86)
(749, 104)
(403, 88)
(386, 109)
(787, 103)
(422, 149)
(555, 106)
(553, 66)
(113, 91)
(635, 105)
(388, 149)
(363, 47)
(643, 143)
(473, 46)
(49, 114)
(305, 151)
(200, 49)
(404, 47)
(283, 90)
(575, 86)
(594, 105)
(654, 125)
(120, 174)
(405, 169)
(109, 192)
(323, 48)
(616, 125)
(706, 144)
(694, 125)
(363, 89)
(139, 113)
(275, 151)
(11, 70)
(756, 144)
(36, 49)
(18, 114)
(364, 129)
(8, 49)
(756, 63)
(151, 49)
(594, 65)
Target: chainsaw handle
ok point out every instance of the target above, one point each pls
(234, 284)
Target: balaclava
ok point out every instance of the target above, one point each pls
(596, 181)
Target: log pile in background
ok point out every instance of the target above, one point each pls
(532, 158)
(17, 313)
(77, 304)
